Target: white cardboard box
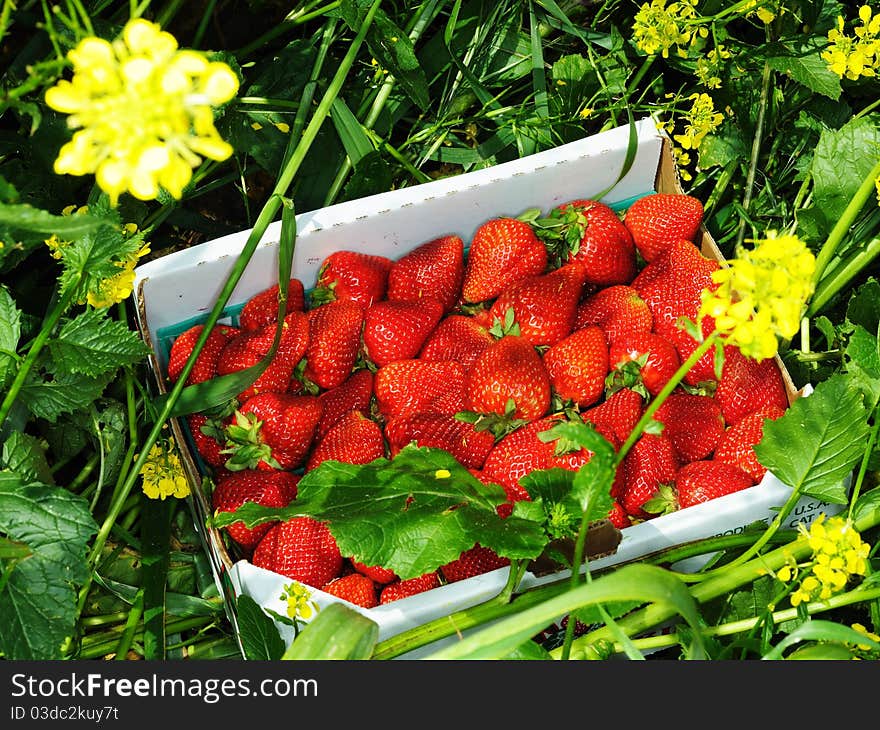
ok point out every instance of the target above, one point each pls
(175, 291)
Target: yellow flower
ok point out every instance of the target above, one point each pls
(120, 286)
(142, 110)
(708, 67)
(857, 55)
(862, 629)
(658, 27)
(699, 121)
(162, 474)
(299, 603)
(761, 294)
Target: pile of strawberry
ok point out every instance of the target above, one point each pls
(477, 350)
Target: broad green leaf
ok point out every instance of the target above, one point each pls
(259, 635)
(352, 135)
(807, 67)
(66, 227)
(819, 630)
(25, 456)
(864, 305)
(372, 174)
(863, 364)
(38, 604)
(89, 260)
(338, 633)
(814, 446)
(635, 582)
(93, 344)
(64, 393)
(10, 332)
(411, 514)
(13, 550)
(867, 503)
(66, 437)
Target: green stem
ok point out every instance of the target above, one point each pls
(863, 467)
(756, 150)
(300, 16)
(105, 643)
(842, 275)
(131, 624)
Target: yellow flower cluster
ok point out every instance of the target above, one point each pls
(699, 121)
(162, 473)
(709, 67)
(856, 55)
(299, 601)
(766, 10)
(866, 649)
(143, 111)
(658, 27)
(839, 553)
(761, 294)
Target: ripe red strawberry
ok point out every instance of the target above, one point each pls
(376, 573)
(396, 330)
(650, 463)
(302, 549)
(351, 276)
(205, 366)
(334, 342)
(590, 232)
(617, 310)
(355, 394)
(660, 219)
(517, 454)
(267, 488)
(354, 439)
(248, 348)
(502, 251)
(748, 385)
(432, 270)
(273, 431)
(410, 587)
(618, 413)
(577, 366)
(693, 423)
(475, 561)
(655, 361)
(457, 337)
(405, 387)
(440, 431)
(262, 308)
(355, 588)
(701, 481)
(618, 516)
(737, 445)
(509, 369)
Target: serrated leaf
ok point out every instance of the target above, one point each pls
(94, 257)
(808, 68)
(10, 332)
(863, 364)
(93, 344)
(27, 218)
(816, 444)
(25, 456)
(38, 604)
(259, 635)
(411, 514)
(51, 397)
(863, 307)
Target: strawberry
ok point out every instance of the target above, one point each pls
(589, 232)
(618, 516)
(355, 588)
(268, 488)
(262, 308)
(502, 251)
(456, 337)
(701, 481)
(748, 385)
(693, 423)
(302, 549)
(355, 394)
(432, 270)
(659, 219)
(517, 454)
(737, 445)
(544, 305)
(405, 387)
(509, 369)
(650, 463)
(273, 431)
(654, 361)
(396, 330)
(410, 587)
(618, 413)
(617, 310)
(209, 437)
(351, 276)
(205, 366)
(334, 342)
(248, 348)
(475, 561)
(577, 366)
(376, 573)
(468, 445)
(354, 439)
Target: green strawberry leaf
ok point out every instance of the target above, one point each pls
(816, 444)
(25, 456)
(52, 396)
(411, 514)
(38, 604)
(864, 306)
